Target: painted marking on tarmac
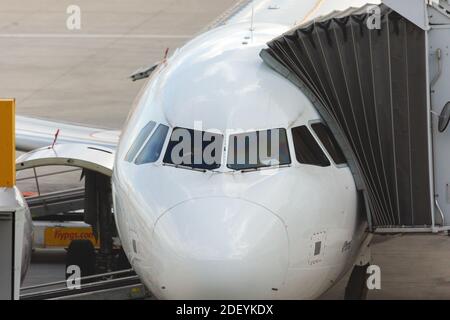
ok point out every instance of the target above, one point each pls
(94, 36)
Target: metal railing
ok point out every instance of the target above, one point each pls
(89, 285)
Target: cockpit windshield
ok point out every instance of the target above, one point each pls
(258, 149)
(194, 149)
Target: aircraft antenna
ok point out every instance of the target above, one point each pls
(56, 138)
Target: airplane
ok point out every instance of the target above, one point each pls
(288, 228)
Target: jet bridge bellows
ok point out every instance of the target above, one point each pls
(369, 83)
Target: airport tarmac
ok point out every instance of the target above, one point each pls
(82, 76)
(412, 267)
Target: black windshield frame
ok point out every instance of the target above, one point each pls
(152, 149)
(194, 159)
(283, 159)
(307, 149)
(330, 143)
(139, 141)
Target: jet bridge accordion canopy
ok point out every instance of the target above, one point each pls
(370, 86)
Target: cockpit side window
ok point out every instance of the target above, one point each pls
(137, 144)
(307, 150)
(258, 149)
(152, 149)
(329, 142)
(194, 149)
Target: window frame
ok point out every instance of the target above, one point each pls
(188, 167)
(308, 127)
(227, 147)
(164, 145)
(226, 144)
(330, 158)
(138, 150)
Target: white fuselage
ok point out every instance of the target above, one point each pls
(281, 233)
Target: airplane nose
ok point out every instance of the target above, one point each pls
(218, 248)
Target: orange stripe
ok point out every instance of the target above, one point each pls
(313, 11)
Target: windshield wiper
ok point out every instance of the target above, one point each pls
(253, 169)
(264, 167)
(180, 166)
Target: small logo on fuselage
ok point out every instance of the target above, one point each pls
(347, 246)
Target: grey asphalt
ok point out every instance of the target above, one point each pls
(82, 76)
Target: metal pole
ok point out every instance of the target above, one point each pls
(8, 143)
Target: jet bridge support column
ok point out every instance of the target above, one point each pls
(12, 208)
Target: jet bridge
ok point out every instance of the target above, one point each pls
(378, 75)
